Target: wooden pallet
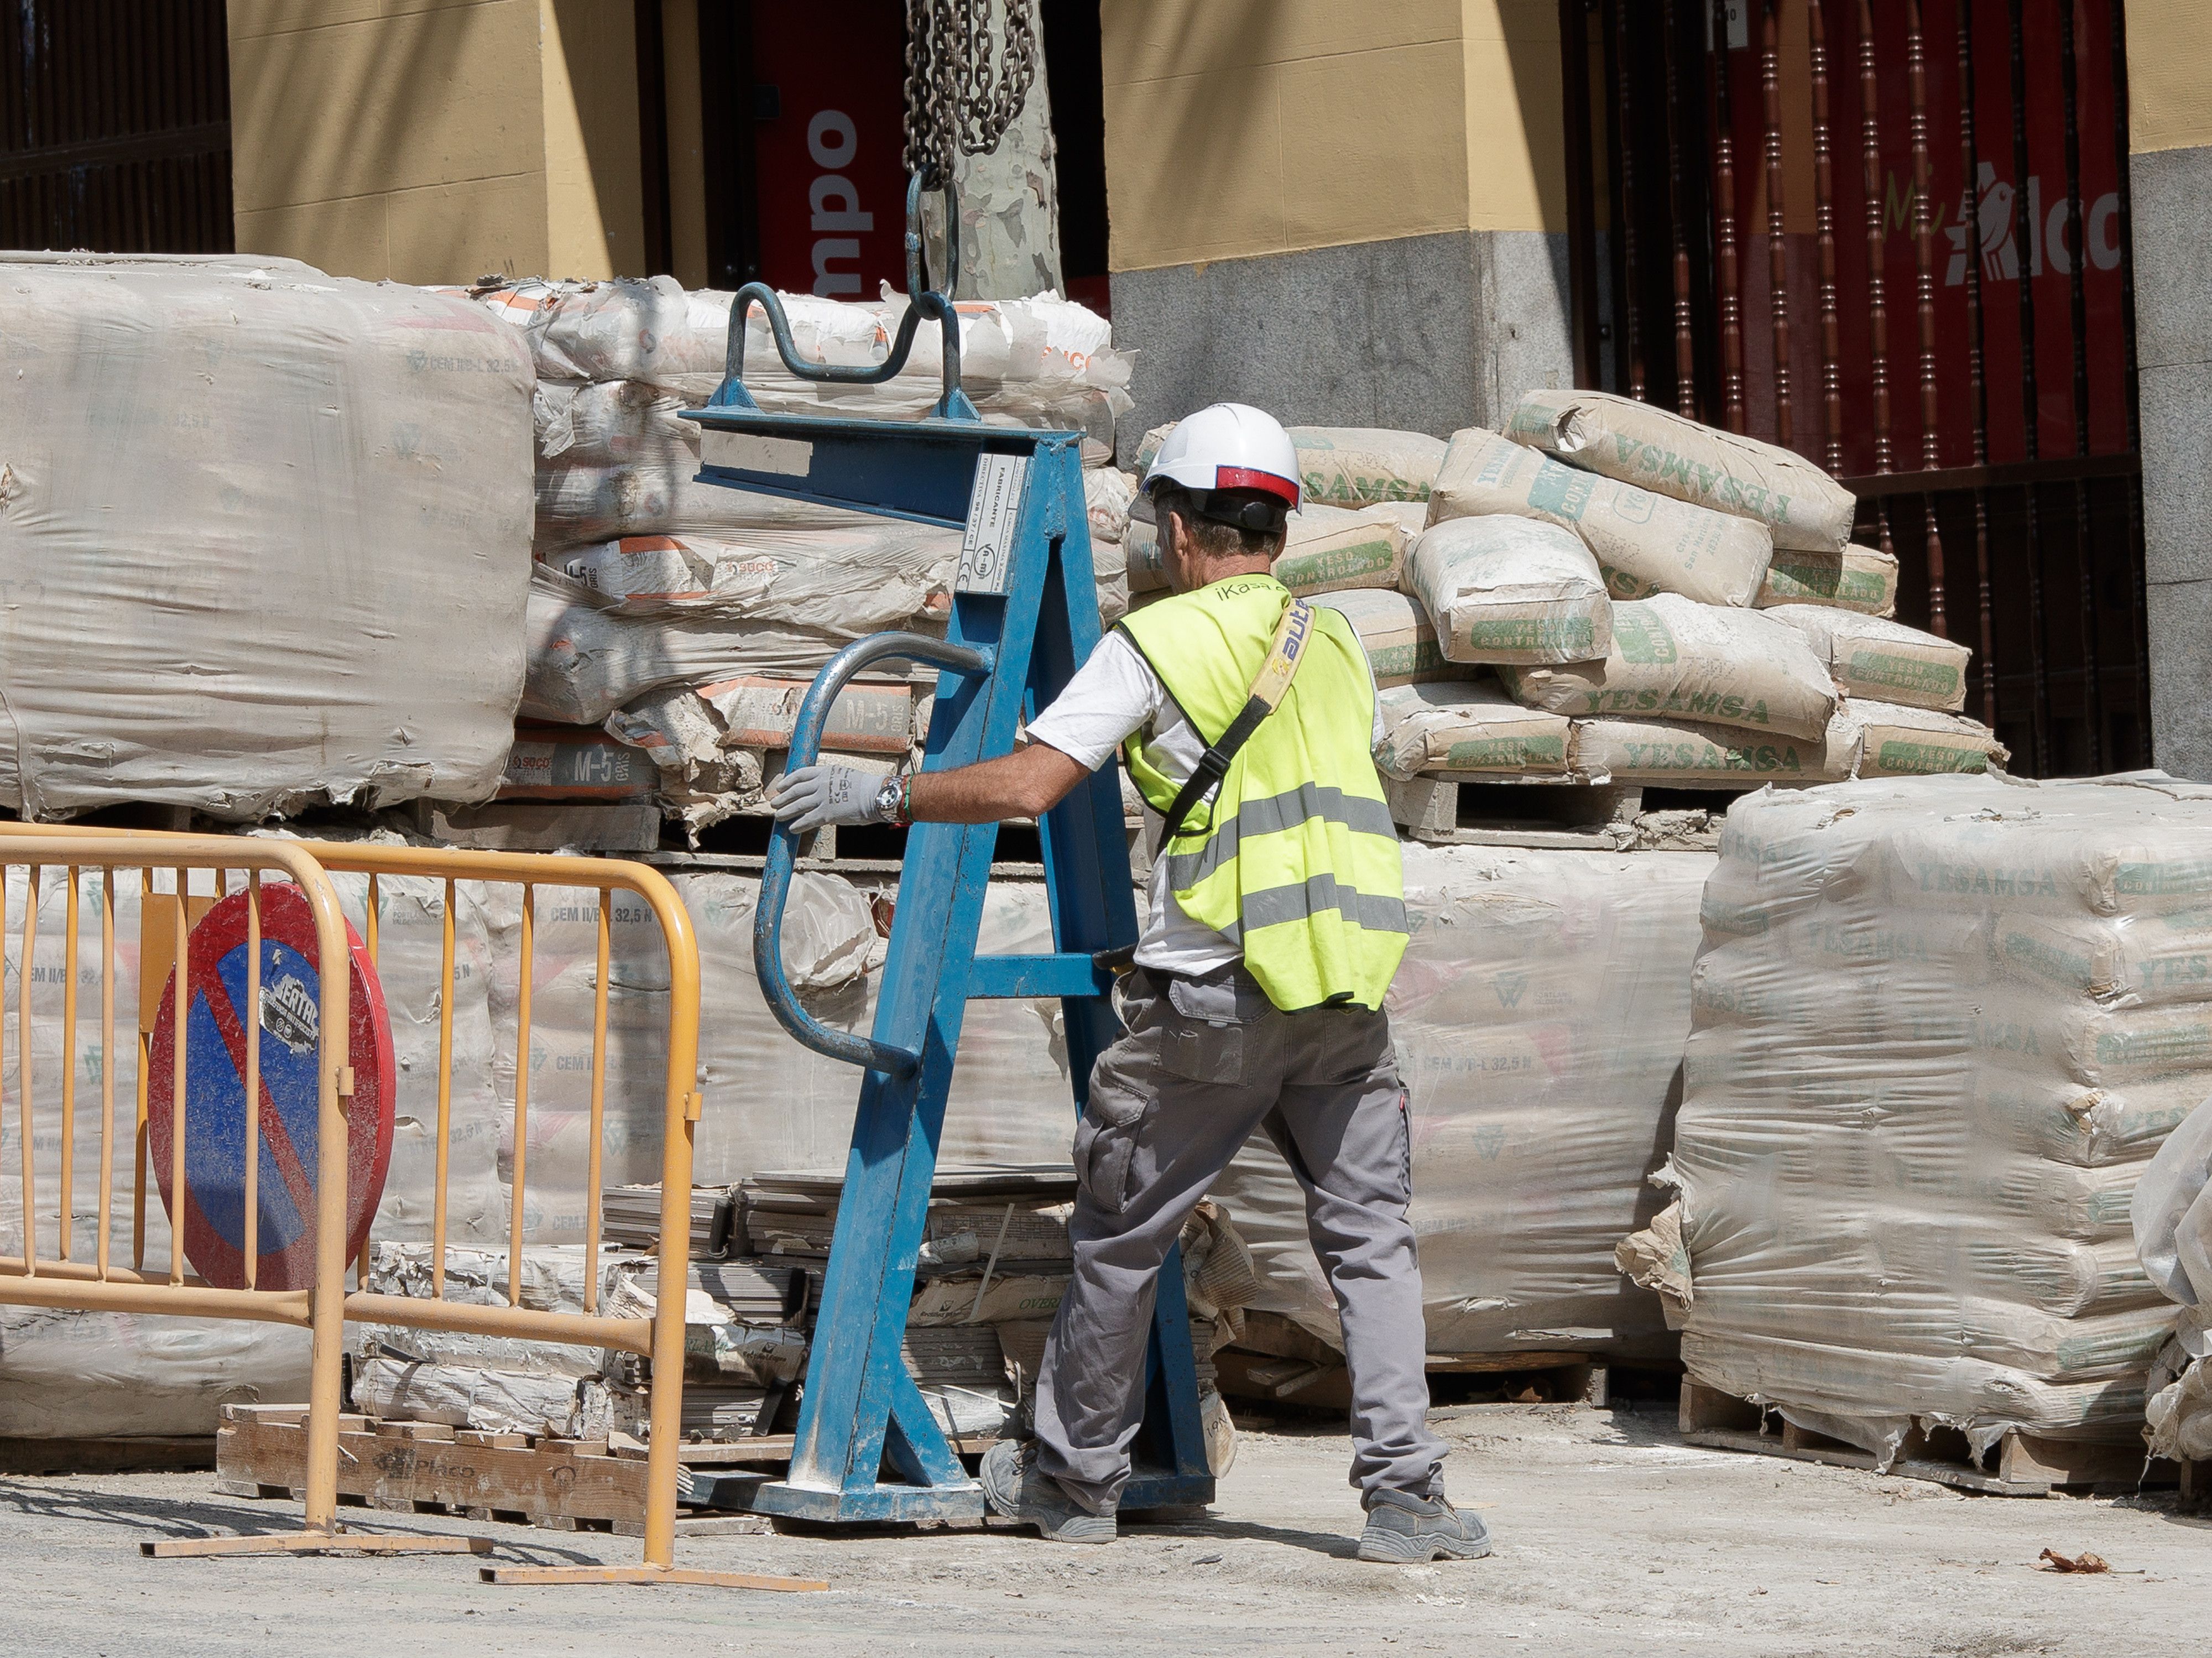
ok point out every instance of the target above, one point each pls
(2022, 1465)
(423, 1467)
(1275, 1359)
(1505, 810)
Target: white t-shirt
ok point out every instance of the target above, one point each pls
(1112, 694)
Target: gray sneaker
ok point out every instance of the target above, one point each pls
(1405, 1530)
(1017, 1489)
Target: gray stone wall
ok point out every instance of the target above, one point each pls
(1419, 333)
(2173, 200)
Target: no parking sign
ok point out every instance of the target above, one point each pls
(290, 1013)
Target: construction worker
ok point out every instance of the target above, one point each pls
(1277, 921)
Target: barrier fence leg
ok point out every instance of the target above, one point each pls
(664, 1432)
(322, 1534)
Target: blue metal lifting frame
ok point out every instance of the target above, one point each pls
(1024, 617)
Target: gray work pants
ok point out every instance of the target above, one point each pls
(1204, 1062)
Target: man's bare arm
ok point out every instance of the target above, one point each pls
(1027, 783)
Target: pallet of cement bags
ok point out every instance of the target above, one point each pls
(1539, 1016)
(1941, 1025)
(200, 624)
(2172, 1219)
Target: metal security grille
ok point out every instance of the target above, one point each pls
(1893, 235)
(115, 125)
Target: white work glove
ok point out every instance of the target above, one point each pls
(814, 796)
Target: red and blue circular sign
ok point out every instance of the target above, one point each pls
(287, 1112)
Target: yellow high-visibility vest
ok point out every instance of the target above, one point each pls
(1296, 858)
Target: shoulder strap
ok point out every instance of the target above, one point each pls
(1276, 673)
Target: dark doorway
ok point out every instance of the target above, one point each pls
(115, 125)
(1893, 235)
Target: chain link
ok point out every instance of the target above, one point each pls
(957, 103)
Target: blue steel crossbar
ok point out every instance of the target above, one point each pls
(1024, 615)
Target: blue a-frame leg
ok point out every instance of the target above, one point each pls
(1024, 615)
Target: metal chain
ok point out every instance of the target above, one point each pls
(956, 102)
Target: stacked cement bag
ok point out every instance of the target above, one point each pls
(1687, 598)
(267, 536)
(1346, 465)
(1611, 593)
(655, 594)
(1540, 1017)
(2172, 1223)
(1941, 1026)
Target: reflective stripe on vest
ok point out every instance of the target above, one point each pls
(1296, 861)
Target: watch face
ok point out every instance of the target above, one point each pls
(887, 797)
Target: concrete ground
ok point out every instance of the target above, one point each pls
(1614, 1537)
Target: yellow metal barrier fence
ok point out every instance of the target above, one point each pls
(325, 1306)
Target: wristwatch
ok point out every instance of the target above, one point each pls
(892, 800)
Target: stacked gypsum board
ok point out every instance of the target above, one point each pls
(977, 1215)
(1941, 1026)
(629, 1218)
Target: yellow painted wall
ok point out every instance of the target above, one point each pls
(431, 141)
(686, 148)
(383, 138)
(2169, 92)
(1235, 127)
(1242, 127)
(1515, 158)
(594, 219)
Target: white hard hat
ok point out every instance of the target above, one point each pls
(1229, 445)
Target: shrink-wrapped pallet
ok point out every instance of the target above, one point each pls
(1539, 1018)
(1941, 1025)
(266, 531)
(770, 1103)
(72, 1374)
(1639, 443)
(1644, 544)
(2172, 1219)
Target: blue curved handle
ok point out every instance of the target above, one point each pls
(952, 405)
(783, 846)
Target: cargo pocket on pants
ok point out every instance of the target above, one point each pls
(1106, 1146)
(1211, 1026)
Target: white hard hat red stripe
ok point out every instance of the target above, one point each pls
(1248, 477)
(1230, 446)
